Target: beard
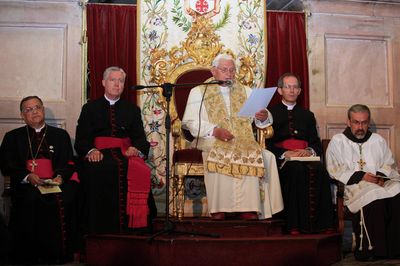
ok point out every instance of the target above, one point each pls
(360, 133)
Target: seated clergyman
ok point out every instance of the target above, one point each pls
(40, 223)
(308, 202)
(363, 162)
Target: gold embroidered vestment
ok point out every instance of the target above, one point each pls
(241, 155)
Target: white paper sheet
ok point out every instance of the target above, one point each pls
(259, 99)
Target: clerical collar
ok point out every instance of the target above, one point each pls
(350, 136)
(37, 130)
(112, 102)
(289, 106)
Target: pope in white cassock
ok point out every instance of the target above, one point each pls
(363, 162)
(240, 177)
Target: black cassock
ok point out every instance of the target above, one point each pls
(104, 183)
(305, 185)
(41, 225)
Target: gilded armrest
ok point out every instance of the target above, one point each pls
(263, 134)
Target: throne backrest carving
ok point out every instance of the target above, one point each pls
(194, 55)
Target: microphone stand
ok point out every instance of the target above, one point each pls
(167, 88)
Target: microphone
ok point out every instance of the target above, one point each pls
(138, 87)
(227, 83)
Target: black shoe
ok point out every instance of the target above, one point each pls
(363, 255)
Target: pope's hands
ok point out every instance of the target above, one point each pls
(261, 115)
(222, 134)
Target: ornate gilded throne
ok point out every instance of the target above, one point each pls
(191, 63)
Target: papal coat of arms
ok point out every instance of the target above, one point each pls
(208, 8)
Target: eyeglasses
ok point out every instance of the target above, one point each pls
(359, 123)
(31, 109)
(226, 70)
(295, 87)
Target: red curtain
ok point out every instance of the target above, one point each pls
(287, 51)
(112, 41)
(111, 31)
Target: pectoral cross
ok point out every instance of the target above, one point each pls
(361, 163)
(33, 165)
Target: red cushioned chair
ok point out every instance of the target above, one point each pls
(186, 161)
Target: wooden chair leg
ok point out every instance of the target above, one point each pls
(172, 199)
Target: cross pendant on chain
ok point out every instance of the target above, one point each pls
(33, 165)
(361, 162)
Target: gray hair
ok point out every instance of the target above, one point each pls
(108, 70)
(220, 57)
(288, 74)
(358, 108)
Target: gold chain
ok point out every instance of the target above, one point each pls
(38, 148)
(361, 161)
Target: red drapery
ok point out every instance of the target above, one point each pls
(111, 33)
(287, 51)
(112, 41)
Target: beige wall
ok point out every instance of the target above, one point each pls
(40, 54)
(354, 56)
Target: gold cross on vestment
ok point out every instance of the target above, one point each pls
(361, 163)
(33, 165)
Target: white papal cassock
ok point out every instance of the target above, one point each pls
(226, 193)
(343, 159)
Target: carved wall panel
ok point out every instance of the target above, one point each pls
(37, 68)
(354, 53)
(367, 58)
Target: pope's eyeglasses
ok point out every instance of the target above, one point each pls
(226, 70)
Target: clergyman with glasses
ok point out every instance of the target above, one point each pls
(38, 158)
(308, 203)
(364, 163)
(240, 177)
